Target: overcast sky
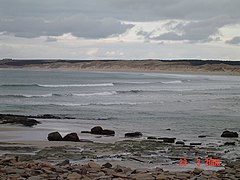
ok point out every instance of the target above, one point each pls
(120, 29)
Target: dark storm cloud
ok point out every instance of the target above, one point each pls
(99, 19)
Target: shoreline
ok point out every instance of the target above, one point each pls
(211, 67)
(170, 72)
(136, 157)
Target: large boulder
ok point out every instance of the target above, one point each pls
(54, 136)
(180, 142)
(71, 137)
(108, 132)
(133, 134)
(229, 134)
(96, 130)
(100, 131)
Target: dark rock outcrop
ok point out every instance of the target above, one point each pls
(96, 130)
(195, 144)
(133, 135)
(108, 132)
(229, 144)
(100, 131)
(71, 137)
(17, 119)
(180, 142)
(151, 137)
(54, 136)
(229, 134)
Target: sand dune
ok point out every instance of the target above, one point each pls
(175, 66)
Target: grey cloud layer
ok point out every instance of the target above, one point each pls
(234, 41)
(193, 31)
(79, 26)
(100, 19)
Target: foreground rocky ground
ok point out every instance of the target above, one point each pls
(14, 168)
(88, 160)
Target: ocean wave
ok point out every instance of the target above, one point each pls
(97, 94)
(57, 95)
(26, 96)
(172, 82)
(133, 82)
(57, 85)
(77, 85)
(95, 104)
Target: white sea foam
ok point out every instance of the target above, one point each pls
(172, 82)
(76, 85)
(98, 104)
(97, 94)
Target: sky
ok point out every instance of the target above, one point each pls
(120, 29)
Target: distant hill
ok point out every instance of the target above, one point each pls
(177, 66)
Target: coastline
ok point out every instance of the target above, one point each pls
(140, 154)
(137, 66)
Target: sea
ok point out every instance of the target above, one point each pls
(183, 106)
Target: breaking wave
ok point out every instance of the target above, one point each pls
(57, 85)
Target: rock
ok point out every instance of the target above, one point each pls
(133, 135)
(197, 171)
(94, 166)
(229, 144)
(195, 144)
(71, 137)
(35, 178)
(15, 171)
(167, 140)
(74, 176)
(96, 130)
(168, 129)
(47, 116)
(229, 134)
(119, 175)
(180, 142)
(161, 177)
(54, 136)
(119, 168)
(143, 176)
(151, 137)
(18, 119)
(65, 162)
(107, 165)
(108, 132)
(202, 136)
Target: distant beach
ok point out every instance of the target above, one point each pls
(157, 66)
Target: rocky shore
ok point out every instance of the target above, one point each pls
(132, 157)
(28, 121)
(13, 168)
